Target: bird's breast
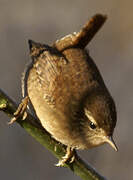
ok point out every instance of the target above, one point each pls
(56, 84)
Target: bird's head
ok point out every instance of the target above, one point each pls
(99, 120)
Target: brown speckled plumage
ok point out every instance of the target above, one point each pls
(59, 85)
(68, 93)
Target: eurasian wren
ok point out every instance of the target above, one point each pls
(68, 93)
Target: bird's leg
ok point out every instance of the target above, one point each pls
(69, 156)
(21, 110)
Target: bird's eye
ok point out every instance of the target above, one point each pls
(92, 125)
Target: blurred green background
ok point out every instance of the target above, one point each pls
(21, 157)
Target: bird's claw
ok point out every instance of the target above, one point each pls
(69, 156)
(21, 110)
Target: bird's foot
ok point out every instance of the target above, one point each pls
(69, 156)
(21, 110)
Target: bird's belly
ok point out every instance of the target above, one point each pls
(55, 123)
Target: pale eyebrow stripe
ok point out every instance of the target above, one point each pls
(90, 117)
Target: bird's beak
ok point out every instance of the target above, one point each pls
(110, 141)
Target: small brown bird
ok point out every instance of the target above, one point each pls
(68, 93)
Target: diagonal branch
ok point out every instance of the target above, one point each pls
(79, 167)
